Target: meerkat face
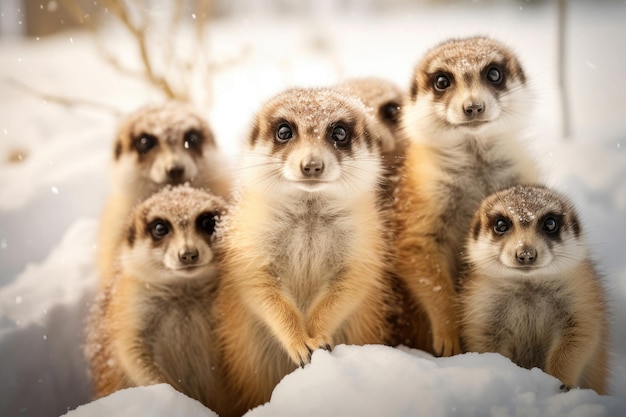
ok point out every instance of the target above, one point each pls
(525, 230)
(163, 145)
(313, 141)
(383, 99)
(467, 86)
(172, 235)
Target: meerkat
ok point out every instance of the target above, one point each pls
(531, 291)
(158, 145)
(304, 249)
(383, 99)
(464, 118)
(153, 322)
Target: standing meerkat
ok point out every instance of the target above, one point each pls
(467, 106)
(531, 291)
(156, 146)
(304, 250)
(384, 100)
(153, 322)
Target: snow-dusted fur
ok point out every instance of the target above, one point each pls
(304, 252)
(152, 323)
(468, 104)
(156, 146)
(530, 290)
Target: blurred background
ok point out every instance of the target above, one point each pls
(70, 66)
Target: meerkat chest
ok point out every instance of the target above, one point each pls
(176, 321)
(467, 173)
(476, 170)
(532, 312)
(315, 243)
(310, 248)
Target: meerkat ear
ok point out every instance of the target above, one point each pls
(255, 130)
(131, 234)
(413, 90)
(117, 150)
(476, 227)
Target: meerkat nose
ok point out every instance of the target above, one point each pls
(176, 172)
(188, 256)
(473, 108)
(312, 167)
(526, 255)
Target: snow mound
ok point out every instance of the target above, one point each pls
(155, 400)
(39, 288)
(378, 381)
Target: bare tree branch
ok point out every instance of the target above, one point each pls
(70, 102)
(139, 32)
(163, 42)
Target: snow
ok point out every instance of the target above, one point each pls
(50, 201)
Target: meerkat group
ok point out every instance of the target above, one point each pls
(362, 214)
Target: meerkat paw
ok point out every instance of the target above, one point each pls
(321, 342)
(446, 344)
(300, 354)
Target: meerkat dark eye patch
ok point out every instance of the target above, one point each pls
(551, 225)
(442, 82)
(494, 75)
(340, 135)
(390, 112)
(145, 142)
(159, 229)
(192, 139)
(501, 225)
(284, 133)
(206, 222)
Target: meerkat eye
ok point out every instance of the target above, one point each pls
(550, 225)
(145, 143)
(206, 222)
(192, 139)
(390, 111)
(442, 82)
(284, 133)
(159, 229)
(494, 75)
(501, 227)
(340, 135)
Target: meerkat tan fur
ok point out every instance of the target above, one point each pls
(304, 250)
(384, 100)
(153, 322)
(468, 103)
(156, 146)
(531, 291)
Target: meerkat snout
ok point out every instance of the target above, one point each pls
(188, 256)
(473, 108)
(526, 255)
(176, 172)
(312, 166)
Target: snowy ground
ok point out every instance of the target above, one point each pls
(50, 201)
